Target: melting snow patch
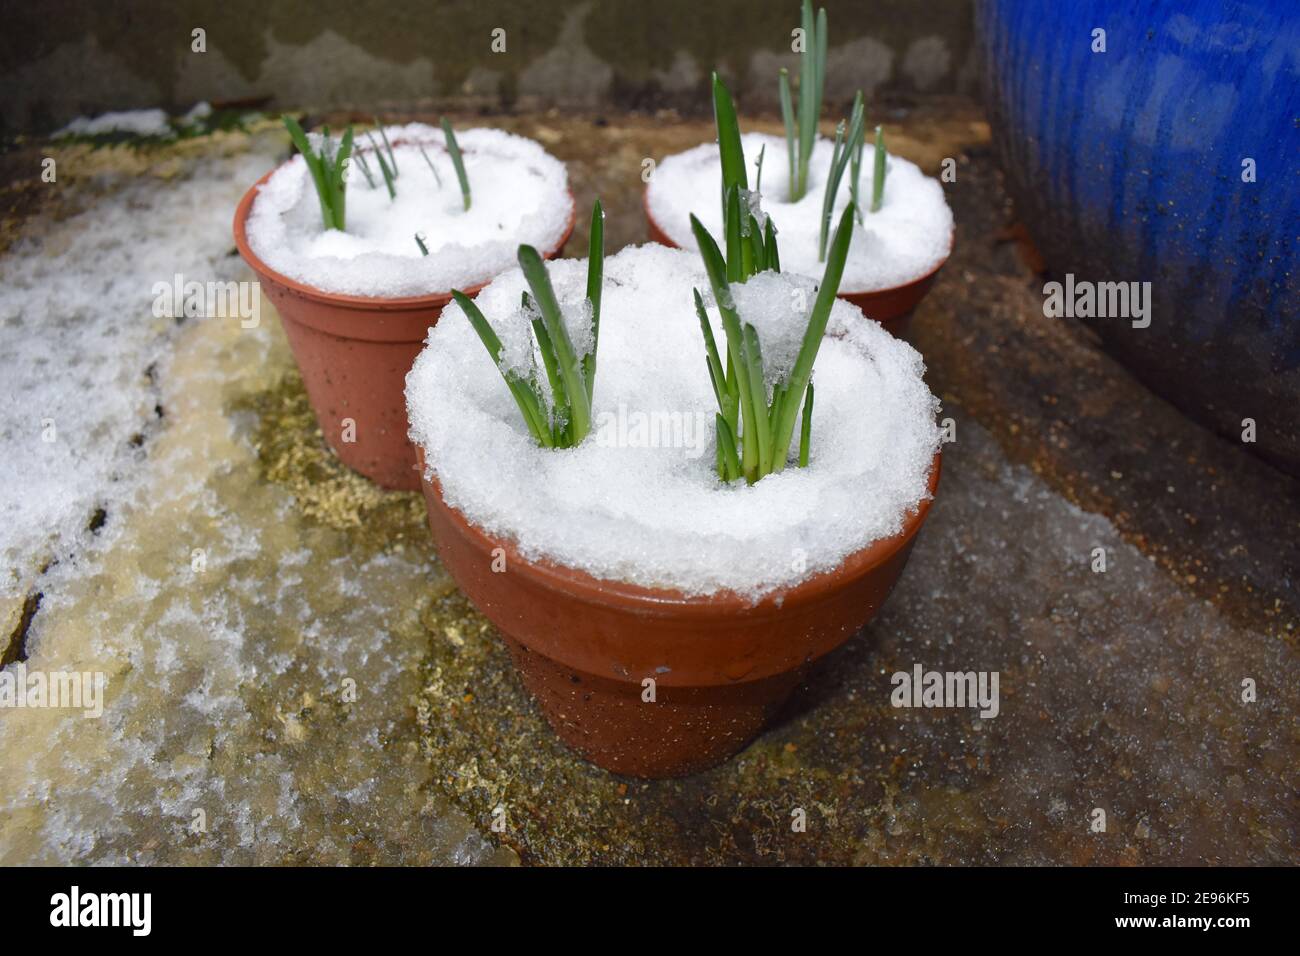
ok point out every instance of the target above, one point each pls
(79, 344)
(135, 122)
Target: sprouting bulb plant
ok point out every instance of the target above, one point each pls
(457, 161)
(566, 420)
(751, 245)
(328, 167)
(753, 433)
(801, 126)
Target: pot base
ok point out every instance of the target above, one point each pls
(722, 665)
(682, 731)
(357, 390)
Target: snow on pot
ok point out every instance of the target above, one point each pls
(659, 596)
(896, 251)
(358, 249)
(905, 228)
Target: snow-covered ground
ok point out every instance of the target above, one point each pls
(80, 344)
(256, 658)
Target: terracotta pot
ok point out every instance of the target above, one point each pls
(883, 305)
(721, 665)
(353, 353)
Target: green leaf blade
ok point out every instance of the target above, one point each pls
(726, 438)
(716, 375)
(570, 371)
(595, 282)
(717, 272)
(787, 117)
(757, 405)
(319, 176)
(805, 431)
(529, 402)
(819, 316)
(730, 153)
(878, 177)
(457, 161)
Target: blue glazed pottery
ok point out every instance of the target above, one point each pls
(1166, 149)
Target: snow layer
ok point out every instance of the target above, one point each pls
(659, 516)
(910, 235)
(520, 195)
(151, 122)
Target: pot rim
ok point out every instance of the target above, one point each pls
(842, 293)
(670, 602)
(360, 302)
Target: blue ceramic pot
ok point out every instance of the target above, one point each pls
(1135, 164)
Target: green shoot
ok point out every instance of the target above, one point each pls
(842, 154)
(832, 187)
(419, 241)
(787, 114)
(856, 119)
(878, 178)
(769, 241)
(454, 149)
(801, 374)
(758, 176)
(338, 174)
(595, 281)
(365, 168)
(558, 416)
(728, 464)
(724, 387)
(801, 126)
(805, 430)
(389, 172)
(525, 393)
(730, 152)
(766, 428)
(749, 248)
(392, 159)
(436, 177)
(567, 361)
(567, 419)
(328, 170)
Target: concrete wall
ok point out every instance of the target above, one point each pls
(60, 58)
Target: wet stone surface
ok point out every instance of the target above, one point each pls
(1116, 691)
(319, 692)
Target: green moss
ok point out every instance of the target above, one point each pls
(291, 452)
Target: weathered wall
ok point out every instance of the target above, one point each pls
(61, 58)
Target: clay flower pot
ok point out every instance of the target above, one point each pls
(883, 305)
(354, 353)
(721, 666)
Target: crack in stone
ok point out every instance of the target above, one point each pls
(16, 644)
